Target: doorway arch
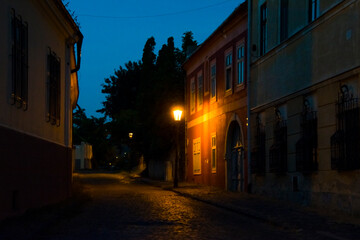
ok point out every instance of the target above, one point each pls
(234, 155)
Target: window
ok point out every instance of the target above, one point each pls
(263, 29)
(345, 142)
(197, 156)
(313, 10)
(213, 80)
(53, 89)
(241, 64)
(284, 9)
(200, 82)
(213, 153)
(206, 78)
(306, 147)
(19, 40)
(258, 162)
(192, 95)
(228, 72)
(278, 151)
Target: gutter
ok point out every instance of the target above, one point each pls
(78, 51)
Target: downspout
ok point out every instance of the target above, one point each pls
(78, 51)
(248, 93)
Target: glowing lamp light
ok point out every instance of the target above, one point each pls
(177, 114)
(131, 135)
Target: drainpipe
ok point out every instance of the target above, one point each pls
(78, 50)
(248, 93)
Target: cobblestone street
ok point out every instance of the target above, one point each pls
(121, 207)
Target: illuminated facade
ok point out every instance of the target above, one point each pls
(216, 107)
(304, 89)
(38, 89)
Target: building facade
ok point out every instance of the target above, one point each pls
(305, 126)
(39, 55)
(216, 107)
(83, 156)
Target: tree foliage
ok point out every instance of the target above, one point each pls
(139, 97)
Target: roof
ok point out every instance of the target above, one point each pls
(59, 4)
(242, 7)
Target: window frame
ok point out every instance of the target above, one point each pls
(192, 96)
(241, 59)
(284, 19)
(313, 12)
(19, 65)
(213, 153)
(53, 87)
(263, 28)
(213, 88)
(200, 90)
(228, 67)
(197, 156)
(206, 77)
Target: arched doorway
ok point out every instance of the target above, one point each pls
(235, 157)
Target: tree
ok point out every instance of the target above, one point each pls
(189, 45)
(139, 98)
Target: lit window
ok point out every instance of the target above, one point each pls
(228, 72)
(192, 95)
(197, 156)
(200, 82)
(213, 80)
(53, 89)
(213, 153)
(19, 39)
(240, 64)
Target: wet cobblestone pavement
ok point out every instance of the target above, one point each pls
(121, 207)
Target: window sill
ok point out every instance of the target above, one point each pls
(228, 92)
(240, 87)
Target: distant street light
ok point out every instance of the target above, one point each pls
(131, 135)
(177, 118)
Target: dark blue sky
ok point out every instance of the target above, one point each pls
(115, 32)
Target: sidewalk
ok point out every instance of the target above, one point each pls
(282, 214)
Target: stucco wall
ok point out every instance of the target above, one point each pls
(313, 63)
(43, 33)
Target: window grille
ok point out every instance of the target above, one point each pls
(306, 147)
(258, 162)
(19, 37)
(278, 151)
(345, 142)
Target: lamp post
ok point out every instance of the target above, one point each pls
(177, 118)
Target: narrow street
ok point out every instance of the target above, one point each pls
(121, 207)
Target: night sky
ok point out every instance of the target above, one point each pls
(115, 32)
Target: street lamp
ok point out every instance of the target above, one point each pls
(177, 117)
